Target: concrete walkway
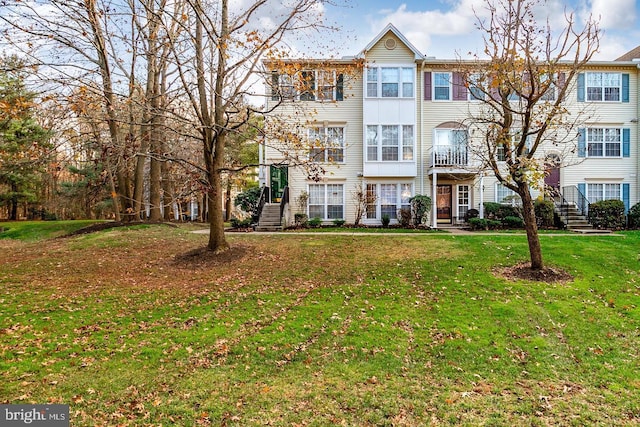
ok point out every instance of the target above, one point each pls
(448, 231)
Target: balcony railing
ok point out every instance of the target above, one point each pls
(447, 155)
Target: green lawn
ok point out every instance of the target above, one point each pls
(321, 330)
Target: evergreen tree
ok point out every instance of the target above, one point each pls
(24, 144)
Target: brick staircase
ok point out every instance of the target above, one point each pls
(270, 218)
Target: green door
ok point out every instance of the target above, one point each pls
(279, 178)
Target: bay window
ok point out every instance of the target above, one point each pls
(390, 143)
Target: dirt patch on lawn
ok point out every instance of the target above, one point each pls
(523, 271)
(204, 258)
(100, 226)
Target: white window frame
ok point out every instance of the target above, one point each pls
(506, 194)
(473, 87)
(405, 147)
(326, 198)
(435, 86)
(323, 154)
(403, 192)
(551, 94)
(404, 81)
(515, 134)
(607, 191)
(319, 91)
(606, 133)
(602, 86)
(456, 148)
(463, 195)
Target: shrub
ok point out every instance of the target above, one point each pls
(339, 222)
(386, 219)
(493, 224)
(513, 222)
(315, 222)
(544, 210)
(478, 223)
(607, 214)
(420, 208)
(471, 213)
(499, 211)
(300, 219)
(634, 216)
(404, 217)
(240, 223)
(248, 201)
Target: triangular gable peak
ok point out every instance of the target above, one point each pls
(384, 35)
(633, 54)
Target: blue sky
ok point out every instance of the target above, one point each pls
(442, 28)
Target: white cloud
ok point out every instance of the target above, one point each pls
(614, 14)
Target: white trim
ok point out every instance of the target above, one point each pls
(398, 34)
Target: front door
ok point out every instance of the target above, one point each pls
(443, 203)
(552, 177)
(279, 179)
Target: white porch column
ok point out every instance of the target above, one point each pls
(481, 207)
(434, 202)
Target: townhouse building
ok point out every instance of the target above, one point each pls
(396, 128)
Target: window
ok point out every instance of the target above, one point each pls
(463, 200)
(604, 142)
(326, 84)
(407, 142)
(308, 85)
(441, 86)
(475, 88)
(598, 192)
(326, 201)
(387, 199)
(372, 82)
(604, 86)
(515, 139)
(407, 83)
(327, 144)
(450, 147)
(390, 143)
(506, 195)
(390, 140)
(390, 82)
(550, 94)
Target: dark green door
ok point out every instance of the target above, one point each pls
(279, 178)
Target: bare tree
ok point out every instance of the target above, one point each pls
(218, 57)
(522, 88)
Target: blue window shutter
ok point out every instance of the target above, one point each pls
(340, 87)
(582, 188)
(625, 197)
(581, 87)
(582, 145)
(625, 88)
(427, 86)
(626, 142)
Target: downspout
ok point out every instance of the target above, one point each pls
(421, 97)
(481, 207)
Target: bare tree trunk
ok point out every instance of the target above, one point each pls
(531, 227)
(227, 200)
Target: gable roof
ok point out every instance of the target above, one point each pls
(631, 55)
(394, 30)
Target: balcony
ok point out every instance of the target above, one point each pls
(450, 156)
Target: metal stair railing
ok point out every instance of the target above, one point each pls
(263, 200)
(573, 195)
(284, 200)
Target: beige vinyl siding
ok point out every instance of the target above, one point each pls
(348, 114)
(381, 55)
